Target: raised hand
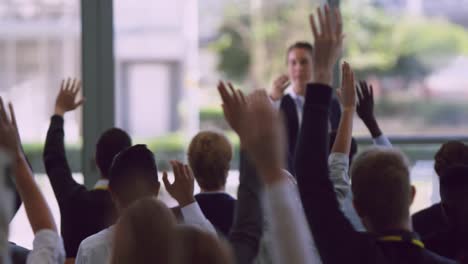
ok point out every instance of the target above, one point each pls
(9, 136)
(183, 186)
(265, 137)
(328, 42)
(347, 93)
(279, 86)
(67, 98)
(234, 106)
(365, 108)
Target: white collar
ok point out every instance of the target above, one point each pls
(294, 95)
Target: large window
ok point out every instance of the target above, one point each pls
(39, 45)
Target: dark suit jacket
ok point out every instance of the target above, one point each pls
(335, 238)
(83, 213)
(430, 220)
(448, 244)
(247, 228)
(289, 110)
(219, 209)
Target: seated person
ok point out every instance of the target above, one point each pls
(134, 176)
(452, 242)
(381, 186)
(432, 219)
(148, 233)
(74, 200)
(209, 156)
(47, 245)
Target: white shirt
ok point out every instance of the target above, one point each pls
(47, 248)
(299, 101)
(290, 237)
(98, 247)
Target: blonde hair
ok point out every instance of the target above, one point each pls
(209, 156)
(381, 186)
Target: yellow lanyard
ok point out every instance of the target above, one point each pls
(413, 241)
(101, 188)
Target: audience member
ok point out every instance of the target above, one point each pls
(133, 176)
(47, 245)
(452, 242)
(74, 200)
(432, 219)
(381, 188)
(209, 157)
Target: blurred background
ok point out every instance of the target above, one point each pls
(157, 63)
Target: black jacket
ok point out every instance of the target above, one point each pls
(334, 236)
(219, 209)
(430, 220)
(83, 212)
(289, 109)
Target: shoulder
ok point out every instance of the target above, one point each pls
(96, 247)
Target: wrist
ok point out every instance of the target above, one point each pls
(186, 201)
(348, 110)
(275, 96)
(323, 77)
(58, 111)
(373, 127)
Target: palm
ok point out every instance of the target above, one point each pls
(67, 97)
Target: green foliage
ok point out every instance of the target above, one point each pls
(377, 42)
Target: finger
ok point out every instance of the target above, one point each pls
(67, 85)
(77, 87)
(80, 102)
(338, 23)
(313, 26)
(166, 182)
(62, 85)
(359, 93)
(321, 21)
(234, 93)
(328, 21)
(242, 97)
(12, 115)
(371, 89)
(3, 114)
(223, 92)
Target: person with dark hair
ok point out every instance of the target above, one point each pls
(300, 66)
(432, 219)
(209, 156)
(452, 242)
(74, 200)
(381, 186)
(134, 176)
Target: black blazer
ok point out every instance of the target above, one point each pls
(430, 220)
(219, 209)
(335, 237)
(82, 212)
(289, 110)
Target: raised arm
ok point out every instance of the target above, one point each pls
(55, 159)
(339, 157)
(182, 191)
(365, 111)
(37, 210)
(334, 235)
(247, 227)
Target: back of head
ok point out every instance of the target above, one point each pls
(209, 155)
(354, 146)
(381, 188)
(196, 246)
(144, 233)
(450, 154)
(133, 175)
(108, 146)
(454, 196)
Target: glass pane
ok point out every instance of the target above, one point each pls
(39, 45)
(168, 66)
